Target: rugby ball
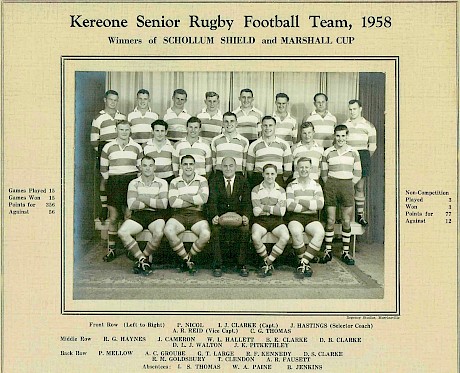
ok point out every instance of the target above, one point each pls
(230, 219)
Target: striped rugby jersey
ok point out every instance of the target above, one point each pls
(236, 147)
(198, 188)
(277, 152)
(162, 157)
(362, 135)
(344, 164)
(249, 123)
(310, 192)
(141, 131)
(177, 124)
(156, 190)
(116, 160)
(199, 150)
(274, 198)
(104, 128)
(314, 152)
(324, 128)
(286, 129)
(210, 126)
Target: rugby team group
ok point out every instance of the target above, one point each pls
(234, 175)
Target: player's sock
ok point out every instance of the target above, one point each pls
(346, 235)
(134, 248)
(329, 237)
(180, 250)
(262, 251)
(275, 253)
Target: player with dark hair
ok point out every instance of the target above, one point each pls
(248, 116)
(323, 121)
(286, 125)
(211, 117)
(141, 118)
(176, 116)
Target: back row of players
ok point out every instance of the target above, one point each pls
(250, 142)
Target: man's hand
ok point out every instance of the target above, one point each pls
(215, 220)
(245, 220)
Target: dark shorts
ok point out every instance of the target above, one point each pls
(146, 217)
(339, 191)
(303, 219)
(268, 222)
(188, 217)
(365, 162)
(117, 189)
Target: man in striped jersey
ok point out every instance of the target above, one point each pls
(323, 121)
(308, 147)
(147, 199)
(229, 144)
(304, 200)
(160, 149)
(187, 195)
(141, 118)
(176, 116)
(269, 149)
(363, 137)
(103, 130)
(286, 125)
(211, 117)
(195, 146)
(340, 171)
(248, 116)
(269, 206)
(120, 161)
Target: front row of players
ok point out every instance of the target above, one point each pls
(228, 192)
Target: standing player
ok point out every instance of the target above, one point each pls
(363, 137)
(103, 130)
(229, 144)
(304, 200)
(187, 195)
(323, 121)
(269, 149)
(120, 161)
(286, 125)
(248, 116)
(160, 149)
(269, 206)
(147, 199)
(193, 145)
(340, 171)
(141, 118)
(211, 118)
(176, 116)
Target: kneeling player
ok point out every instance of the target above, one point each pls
(187, 195)
(147, 199)
(269, 206)
(304, 199)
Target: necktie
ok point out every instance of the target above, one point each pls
(229, 189)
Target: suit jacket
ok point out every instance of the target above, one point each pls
(219, 203)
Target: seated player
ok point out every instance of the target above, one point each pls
(229, 192)
(187, 195)
(147, 199)
(269, 206)
(120, 162)
(340, 171)
(304, 199)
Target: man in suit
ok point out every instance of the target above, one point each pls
(229, 192)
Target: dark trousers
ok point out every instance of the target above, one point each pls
(238, 238)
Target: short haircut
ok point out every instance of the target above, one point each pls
(194, 120)
(211, 94)
(304, 159)
(159, 122)
(340, 127)
(233, 159)
(142, 91)
(229, 114)
(148, 157)
(180, 91)
(269, 165)
(281, 95)
(123, 122)
(320, 94)
(267, 117)
(111, 92)
(355, 101)
(307, 125)
(187, 156)
(246, 90)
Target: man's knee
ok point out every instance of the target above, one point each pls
(205, 235)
